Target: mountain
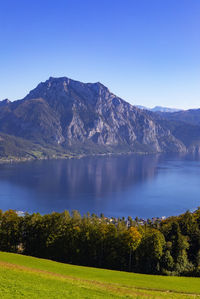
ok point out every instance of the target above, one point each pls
(159, 109)
(63, 116)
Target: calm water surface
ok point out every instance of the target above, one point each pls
(144, 186)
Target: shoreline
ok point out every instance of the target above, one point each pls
(79, 156)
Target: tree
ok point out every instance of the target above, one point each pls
(132, 239)
(150, 251)
(167, 261)
(10, 235)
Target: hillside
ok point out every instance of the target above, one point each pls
(19, 149)
(28, 277)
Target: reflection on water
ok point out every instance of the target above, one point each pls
(145, 186)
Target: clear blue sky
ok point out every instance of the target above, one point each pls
(145, 51)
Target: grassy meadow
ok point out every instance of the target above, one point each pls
(28, 277)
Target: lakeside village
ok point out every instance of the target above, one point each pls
(129, 221)
(137, 221)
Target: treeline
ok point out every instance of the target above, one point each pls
(169, 247)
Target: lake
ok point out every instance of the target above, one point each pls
(126, 185)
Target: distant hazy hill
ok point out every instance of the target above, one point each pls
(189, 116)
(158, 109)
(62, 116)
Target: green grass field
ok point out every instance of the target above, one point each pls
(28, 277)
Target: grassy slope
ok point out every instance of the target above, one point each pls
(27, 277)
(19, 149)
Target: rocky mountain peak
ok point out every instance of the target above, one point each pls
(65, 90)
